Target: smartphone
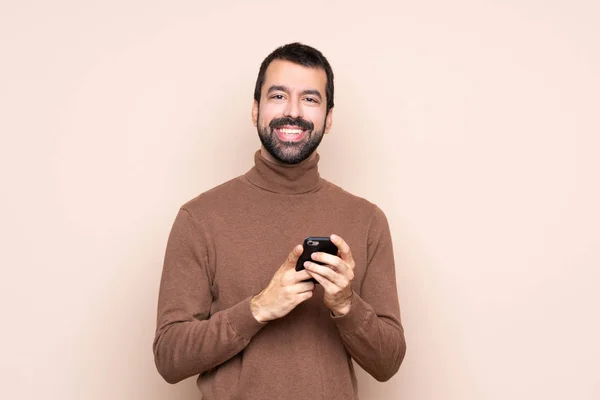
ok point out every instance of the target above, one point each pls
(313, 244)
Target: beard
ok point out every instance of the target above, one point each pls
(290, 152)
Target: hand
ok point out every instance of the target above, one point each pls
(335, 277)
(285, 291)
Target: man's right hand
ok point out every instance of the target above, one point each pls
(285, 291)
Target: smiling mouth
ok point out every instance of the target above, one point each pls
(290, 133)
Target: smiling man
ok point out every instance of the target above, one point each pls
(232, 307)
(294, 103)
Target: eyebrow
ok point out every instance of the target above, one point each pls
(275, 88)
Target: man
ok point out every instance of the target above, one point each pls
(229, 310)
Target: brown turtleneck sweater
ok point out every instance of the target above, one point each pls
(225, 246)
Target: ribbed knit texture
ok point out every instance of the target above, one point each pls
(225, 246)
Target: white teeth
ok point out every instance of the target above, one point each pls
(291, 131)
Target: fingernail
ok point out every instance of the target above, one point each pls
(306, 264)
(334, 237)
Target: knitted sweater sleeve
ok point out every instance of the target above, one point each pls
(188, 340)
(372, 331)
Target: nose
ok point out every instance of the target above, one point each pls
(293, 108)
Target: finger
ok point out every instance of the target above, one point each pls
(297, 276)
(332, 276)
(335, 263)
(293, 257)
(332, 261)
(304, 286)
(344, 249)
(328, 286)
(304, 296)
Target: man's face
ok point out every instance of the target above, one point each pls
(292, 116)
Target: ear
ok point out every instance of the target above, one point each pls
(328, 120)
(255, 113)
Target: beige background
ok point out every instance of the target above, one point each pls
(473, 124)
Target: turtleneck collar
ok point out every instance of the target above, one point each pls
(288, 179)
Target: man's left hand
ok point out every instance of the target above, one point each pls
(335, 277)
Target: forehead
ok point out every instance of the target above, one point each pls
(295, 76)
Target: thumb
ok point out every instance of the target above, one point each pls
(292, 259)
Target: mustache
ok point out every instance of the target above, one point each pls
(299, 122)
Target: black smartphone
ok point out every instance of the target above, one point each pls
(313, 244)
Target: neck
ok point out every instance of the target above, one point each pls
(277, 177)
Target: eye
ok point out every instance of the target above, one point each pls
(311, 100)
(277, 97)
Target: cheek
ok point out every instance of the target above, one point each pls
(266, 114)
(316, 116)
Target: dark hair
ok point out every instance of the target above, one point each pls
(301, 54)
